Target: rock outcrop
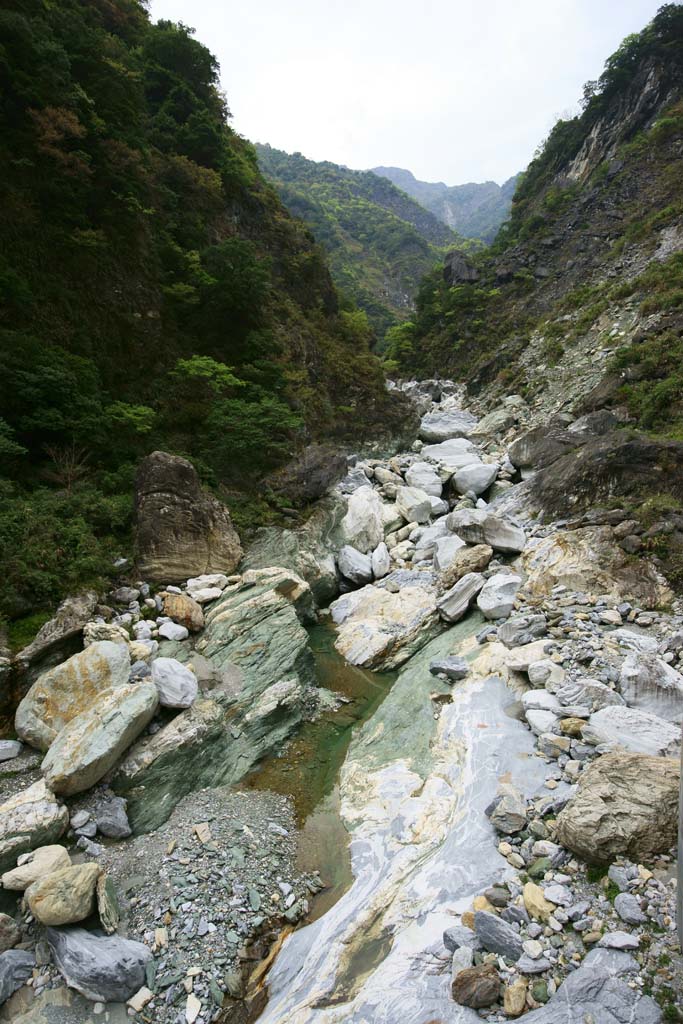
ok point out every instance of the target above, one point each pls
(180, 530)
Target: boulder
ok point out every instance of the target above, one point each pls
(65, 896)
(102, 968)
(111, 818)
(445, 551)
(16, 967)
(173, 631)
(413, 504)
(546, 673)
(509, 812)
(650, 684)
(479, 526)
(588, 560)
(425, 544)
(381, 562)
(354, 566)
(9, 749)
(380, 629)
(176, 685)
(180, 530)
(587, 693)
(476, 477)
(465, 560)
(309, 475)
(10, 933)
(362, 527)
(497, 597)
(64, 692)
(452, 667)
(497, 935)
(424, 477)
(65, 626)
(476, 987)
(520, 659)
(29, 819)
(633, 730)
(94, 741)
(184, 610)
(39, 864)
(625, 805)
(451, 455)
(522, 629)
(444, 425)
(455, 602)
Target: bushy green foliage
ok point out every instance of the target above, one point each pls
(154, 292)
(380, 241)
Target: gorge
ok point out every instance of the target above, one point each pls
(342, 682)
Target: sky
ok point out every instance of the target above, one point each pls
(453, 90)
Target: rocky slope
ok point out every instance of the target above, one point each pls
(475, 210)
(380, 242)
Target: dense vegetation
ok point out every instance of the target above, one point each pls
(379, 241)
(154, 291)
(475, 210)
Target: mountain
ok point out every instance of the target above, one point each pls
(379, 241)
(155, 292)
(475, 210)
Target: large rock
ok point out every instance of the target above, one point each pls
(588, 560)
(16, 967)
(456, 602)
(355, 566)
(307, 551)
(423, 476)
(425, 544)
(497, 935)
(65, 896)
(309, 474)
(103, 968)
(626, 804)
(476, 986)
(479, 526)
(65, 626)
(650, 684)
(476, 477)
(497, 597)
(413, 504)
(595, 992)
(180, 530)
(64, 692)
(466, 559)
(94, 741)
(444, 425)
(445, 550)
(362, 527)
(32, 818)
(585, 692)
(42, 861)
(380, 629)
(184, 610)
(451, 455)
(634, 730)
(176, 685)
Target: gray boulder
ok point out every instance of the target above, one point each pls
(477, 477)
(650, 684)
(381, 562)
(104, 968)
(16, 967)
(588, 693)
(497, 935)
(634, 730)
(444, 425)
(627, 907)
(111, 818)
(423, 476)
(413, 504)
(451, 455)
(479, 526)
(445, 551)
(362, 527)
(176, 685)
(29, 819)
(497, 596)
(453, 667)
(509, 813)
(455, 602)
(9, 749)
(355, 566)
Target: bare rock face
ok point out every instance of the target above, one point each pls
(181, 531)
(309, 475)
(626, 804)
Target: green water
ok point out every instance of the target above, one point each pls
(306, 770)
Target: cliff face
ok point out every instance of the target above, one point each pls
(379, 241)
(475, 210)
(583, 286)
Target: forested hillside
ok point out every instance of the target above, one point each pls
(155, 292)
(380, 242)
(474, 210)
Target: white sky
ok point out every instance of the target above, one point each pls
(453, 90)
